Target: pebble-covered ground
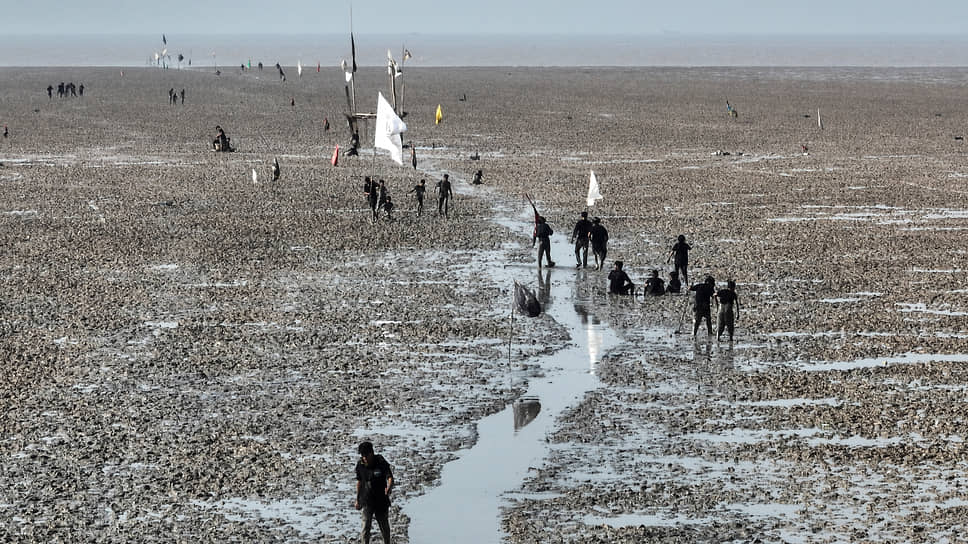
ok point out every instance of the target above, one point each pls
(193, 356)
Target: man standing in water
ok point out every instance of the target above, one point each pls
(374, 481)
(579, 237)
(704, 294)
(444, 192)
(542, 235)
(728, 304)
(598, 236)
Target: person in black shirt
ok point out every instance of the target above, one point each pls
(655, 285)
(579, 237)
(674, 285)
(728, 303)
(371, 190)
(542, 235)
(374, 481)
(681, 253)
(444, 193)
(419, 191)
(704, 294)
(619, 282)
(598, 236)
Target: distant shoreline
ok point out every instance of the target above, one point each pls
(666, 50)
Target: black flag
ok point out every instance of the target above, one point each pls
(525, 301)
(164, 40)
(353, 51)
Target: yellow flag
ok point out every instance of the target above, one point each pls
(440, 115)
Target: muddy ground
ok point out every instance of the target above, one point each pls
(189, 355)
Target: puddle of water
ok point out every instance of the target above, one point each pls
(475, 486)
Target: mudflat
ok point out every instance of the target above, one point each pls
(191, 354)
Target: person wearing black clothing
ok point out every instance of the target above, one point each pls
(704, 294)
(444, 193)
(598, 236)
(542, 235)
(619, 282)
(478, 177)
(680, 250)
(728, 303)
(655, 285)
(374, 481)
(419, 190)
(674, 285)
(50, 91)
(579, 237)
(371, 190)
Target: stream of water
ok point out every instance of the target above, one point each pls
(466, 505)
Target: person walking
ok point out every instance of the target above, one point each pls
(444, 194)
(598, 236)
(702, 306)
(579, 237)
(374, 482)
(542, 235)
(728, 303)
(419, 190)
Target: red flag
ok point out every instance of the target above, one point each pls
(317, 67)
(335, 155)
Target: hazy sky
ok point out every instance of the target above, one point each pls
(843, 17)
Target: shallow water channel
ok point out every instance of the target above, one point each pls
(466, 505)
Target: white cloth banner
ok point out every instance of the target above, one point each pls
(388, 129)
(594, 193)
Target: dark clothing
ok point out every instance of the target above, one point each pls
(444, 192)
(373, 483)
(619, 283)
(418, 191)
(701, 309)
(598, 236)
(655, 286)
(727, 316)
(542, 234)
(680, 251)
(579, 235)
(674, 285)
(581, 230)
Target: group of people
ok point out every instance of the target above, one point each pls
(593, 233)
(65, 90)
(173, 96)
(380, 202)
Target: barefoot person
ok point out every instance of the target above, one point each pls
(579, 237)
(542, 235)
(598, 236)
(374, 481)
(702, 307)
(728, 303)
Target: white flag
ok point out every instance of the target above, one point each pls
(299, 68)
(386, 133)
(349, 76)
(593, 191)
(255, 176)
(819, 119)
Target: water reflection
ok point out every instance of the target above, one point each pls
(525, 410)
(544, 287)
(593, 332)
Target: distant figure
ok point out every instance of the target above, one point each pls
(382, 194)
(542, 235)
(478, 177)
(674, 285)
(579, 237)
(6, 132)
(183, 97)
(680, 251)
(598, 236)
(73, 88)
(275, 170)
(354, 145)
(50, 92)
(325, 124)
(292, 102)
(728, 304)
(80, 89)
(655, 285)
(444, 194)
(619, 282)
(371, 189)
(260, 66)
(171, 96)
(419, 190)
(387, 206)
(222, 142)
(701, 307)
